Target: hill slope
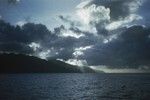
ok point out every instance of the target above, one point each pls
(12, 63)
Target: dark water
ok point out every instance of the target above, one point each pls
(74, 87)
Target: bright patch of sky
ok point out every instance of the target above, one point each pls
(118, 70)
(38, 11)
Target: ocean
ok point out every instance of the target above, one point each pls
(74, 86)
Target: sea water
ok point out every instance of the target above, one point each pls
(74, 86)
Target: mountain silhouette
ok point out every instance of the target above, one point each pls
(19, 63)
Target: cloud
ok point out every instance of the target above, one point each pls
(100, 17)
(34, 46)
(39, 41)
(80, 51)
(21, 23)
(83, 3)
(68, 20)
(13, 1)
(63, 32)
(15, 48)
(122, 12)
(77, 62)
(119, 70)
(103, 35)
(93, 14)
(88, 18)
(129, 49)
(119, 8)
(122, 23)
(44, 54)
(20, 37)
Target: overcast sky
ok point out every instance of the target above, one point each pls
(108, 35)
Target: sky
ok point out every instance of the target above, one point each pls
(106, 35)
(37, 11)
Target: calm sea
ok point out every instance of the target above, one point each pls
(75, 86)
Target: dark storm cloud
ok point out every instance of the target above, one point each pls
(86, 40)
(14, 38)
(144, 11)
(27, 33)
(15, 48)
(130, 49)
(65, 45)
(17, 39)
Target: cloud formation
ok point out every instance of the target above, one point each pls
(131, 48)
(119, 8)
(99, 33)
(94, 14)
(99, 17)
(13, 1)
(3, 2)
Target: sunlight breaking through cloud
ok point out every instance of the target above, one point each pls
(80, 51)
(44, 54)
(34, 45)
(77, 62)
(21, 23)
(69, 33)
(94, 14)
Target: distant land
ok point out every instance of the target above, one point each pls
(19, 63)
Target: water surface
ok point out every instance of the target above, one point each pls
(73, 86)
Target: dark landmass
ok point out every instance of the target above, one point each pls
(19, 63)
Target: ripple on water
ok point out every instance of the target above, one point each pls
(74, 87)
